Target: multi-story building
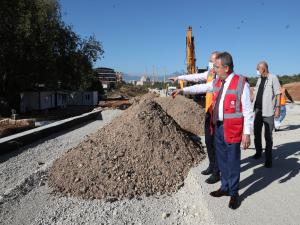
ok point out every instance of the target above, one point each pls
(108, 77)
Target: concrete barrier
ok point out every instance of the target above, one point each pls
(15, 141)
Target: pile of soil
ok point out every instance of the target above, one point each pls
(186, 112)
(143, 152)
(293, 89)
(9, 126)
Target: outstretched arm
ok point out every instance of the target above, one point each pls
(195, 77)
(195, 89)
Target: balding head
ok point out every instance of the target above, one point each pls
(214, 56)
(263, 68)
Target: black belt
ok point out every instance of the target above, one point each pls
(219, 123)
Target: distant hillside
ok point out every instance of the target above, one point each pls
(285, 79)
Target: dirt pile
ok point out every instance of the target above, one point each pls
(186, 112)
(293, 89)
(142, 152)
(9, 126)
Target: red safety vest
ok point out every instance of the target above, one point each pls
(233, 119)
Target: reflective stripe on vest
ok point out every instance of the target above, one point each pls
(239, 92)
(232, 115)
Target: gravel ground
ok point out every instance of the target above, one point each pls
(25, 197)
(269, 196)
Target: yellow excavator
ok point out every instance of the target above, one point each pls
(190, 55)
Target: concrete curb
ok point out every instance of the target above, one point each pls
(15, 141)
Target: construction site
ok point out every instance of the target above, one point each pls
(139, 161)
(141, 166)
(138, 166)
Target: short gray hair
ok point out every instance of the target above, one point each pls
(226, 59)
(215, 53)
(264, 64)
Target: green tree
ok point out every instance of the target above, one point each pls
(36, 47)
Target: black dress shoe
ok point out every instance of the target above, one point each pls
(219, 193)
(214, 178)
(268, 164)
(257, 156)
(233, 202)
(207, 171)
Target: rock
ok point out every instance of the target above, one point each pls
(83, 189)
(165, 215)
(180, 185)
(111, 199)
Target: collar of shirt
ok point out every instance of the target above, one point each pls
(229, 77)
(227, 82)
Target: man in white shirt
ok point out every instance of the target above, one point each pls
(207, 77)
(231, 122)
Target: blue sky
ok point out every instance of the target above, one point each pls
(138, 35)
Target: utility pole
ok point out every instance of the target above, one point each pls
(165, 74)
(153, 74)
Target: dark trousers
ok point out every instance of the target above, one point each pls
(268, 122)
(229, 160)
(209, 141)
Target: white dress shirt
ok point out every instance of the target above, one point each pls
(194, 77)
(246, 101)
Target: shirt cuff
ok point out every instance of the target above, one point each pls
(247, 130)
(185, 91)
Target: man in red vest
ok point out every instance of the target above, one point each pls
(230, 123)
(231, 119)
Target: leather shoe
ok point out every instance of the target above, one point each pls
(207, 171)
(219, 193)
(214, 178)
(256, 156)
(268, 164)
(233, 202)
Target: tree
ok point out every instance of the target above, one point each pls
(37, 47)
